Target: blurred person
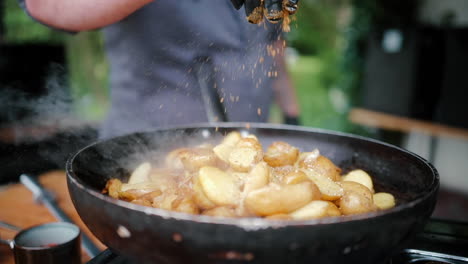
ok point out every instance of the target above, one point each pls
(174, 62)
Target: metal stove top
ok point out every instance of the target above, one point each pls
(441, 241)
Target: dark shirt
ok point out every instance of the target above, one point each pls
(168, 58)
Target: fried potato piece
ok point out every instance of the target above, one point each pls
(145, 187)
(279, 217)
(195, 158)
(221, 211)
(223, 150)
(316, 209)
(140, 174)
(246, 153)
(142, 202)
(113, 187)
(295, 177)
(278, 174)
(257, 178)
(357, 199)
(305, 158)
(173, 160)
(329, 189)
(280, 154)
(185, 205)
(164, 179)
(199, 195)
(361, 177)
(384, 200)
(350, 186)
(232, 138)
(323, 166)
(219, 186)
(132, 194)
(280, 199)
(165, 201)
(145, 199)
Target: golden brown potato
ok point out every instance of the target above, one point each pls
(357, 199)
(199, 195)
(195, 158)
(246, 153)
(163, 179)
(281, 154)
(132, 194)
(350, 186)
(329, 189)
(173, 161)
(236, 179)
(280, 199)
(113, 187)
(278, 174)
(221, 211)
(232, 138)
(140, 174)
(279, 217)
(150, 196)
(305, 158)
(316, 209)
(144, 187)
(361, 177)
(165, 201)
(323, 166)
(145, 199)
(219, 186)
(185, 204)
(222, 151)
(295, 177)
(142, 202)
(384, 200)
(257, 178)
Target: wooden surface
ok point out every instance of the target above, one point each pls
(18, 207)
(396, 123)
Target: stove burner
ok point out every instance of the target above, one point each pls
(441, 242)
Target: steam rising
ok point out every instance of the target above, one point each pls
(45, 120)
(50, 108)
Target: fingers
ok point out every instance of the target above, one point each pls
(274, 10)
(254, 11)
(237, 3)
(290, 6)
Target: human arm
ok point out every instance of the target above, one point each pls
(283, 88)
(80, 15)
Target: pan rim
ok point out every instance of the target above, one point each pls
(250, 223)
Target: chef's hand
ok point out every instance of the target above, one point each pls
(274, 10)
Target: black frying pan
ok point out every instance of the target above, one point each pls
(159, 236)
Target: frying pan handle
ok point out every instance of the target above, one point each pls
(10, 227)
(48, 200)
(7, 242)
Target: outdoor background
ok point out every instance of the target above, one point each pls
(326, 79)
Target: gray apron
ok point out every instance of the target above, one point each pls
(163, 54)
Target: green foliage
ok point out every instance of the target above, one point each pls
(315, 30)
(337, 63)
(88, 74)
(20, 28)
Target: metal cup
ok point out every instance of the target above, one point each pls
(48, 243)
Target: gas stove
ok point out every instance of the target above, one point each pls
(442, 241)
